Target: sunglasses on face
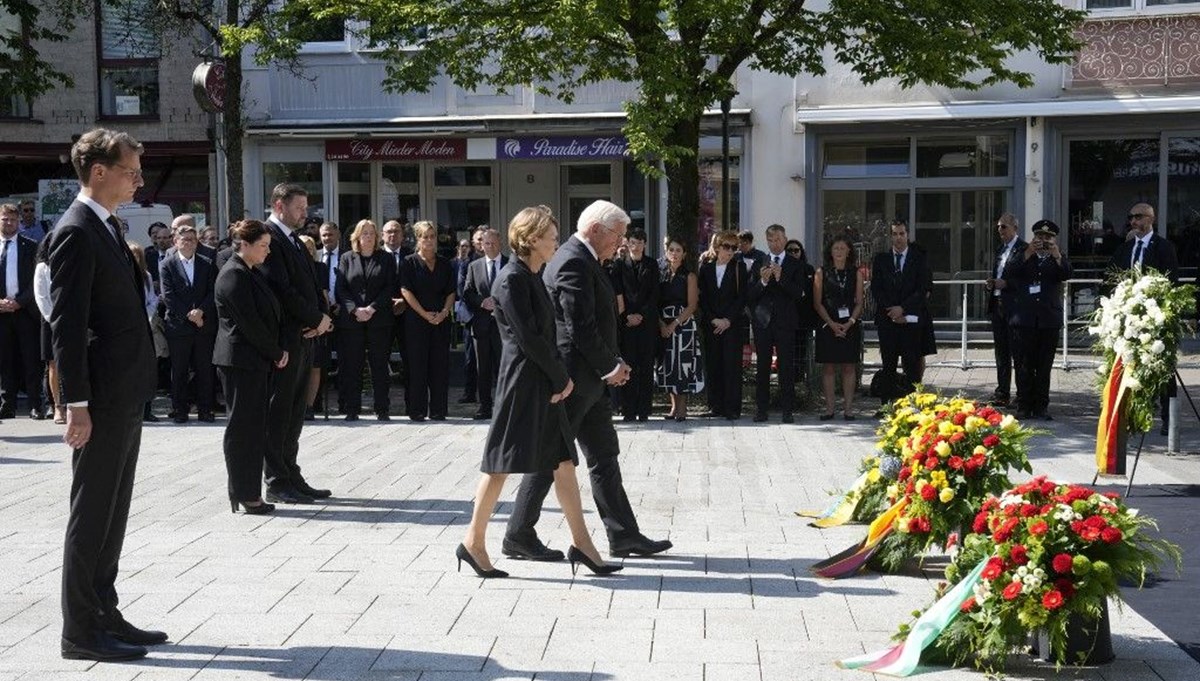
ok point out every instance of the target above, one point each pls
(793, 250)
(727, 247)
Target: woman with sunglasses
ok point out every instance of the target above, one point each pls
(806, 314)
(723, 312)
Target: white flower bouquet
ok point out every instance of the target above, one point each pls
(1142, 322)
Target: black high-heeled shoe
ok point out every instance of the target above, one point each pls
(463, 554)
(262, 508)
(576, 556)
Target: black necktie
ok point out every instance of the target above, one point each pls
(4, 269)
(296, 240)
(1137, 255)
(897, 263)
(492, 272)
(115, 223)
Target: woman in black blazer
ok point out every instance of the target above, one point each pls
(723, 312)
(427, 283)
(365, 281)
(246, 351)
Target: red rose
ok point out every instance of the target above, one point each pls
(1089, 534)
(919, 525)
(1065, 586)
(904, 473)
(1047, 488)
(968, 605)
(1012, 591)
(955, 462)
(994, 567)
(991, 441)
(1062, 563)
(986, 412)
(1029, 510)
(908, 489)
(990, 503)
(1052, 599)
(980, 524)
(931, 463)
(1019, 554)
(1111, 535)
(995, 419)
(1097, 522)
(1038, 528)
(957, 437)
(959, 419)
(1005, 530)
(928, 493)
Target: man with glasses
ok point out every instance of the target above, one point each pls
(1143, 247)
(999, 304)
(30, 227)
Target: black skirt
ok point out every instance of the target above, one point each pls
(47, 341)
(833, 350)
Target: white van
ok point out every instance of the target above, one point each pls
(139, 217)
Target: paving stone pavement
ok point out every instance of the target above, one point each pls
(365, 587)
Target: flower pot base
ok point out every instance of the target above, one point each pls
(1088, 642)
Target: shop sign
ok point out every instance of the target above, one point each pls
(396, 150)
(582, 146)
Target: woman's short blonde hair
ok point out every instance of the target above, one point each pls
(424, 228)
(528, 226)
(362, 226)
(310, 245)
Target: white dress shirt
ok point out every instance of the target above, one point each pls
(12, 282)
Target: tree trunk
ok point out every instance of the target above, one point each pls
(234, 128)
(683, 186)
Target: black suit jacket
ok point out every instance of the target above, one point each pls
(639, 286)
(774, 304)
(179, 298)
(24, 250)
(909, 290)
(1002, 303)
(726, 301)
(1160, 255)
(585, 312)
(290, 273)
(100, 332)
(366, 282)
(1042, 310)
(477, 288)
(249, 315)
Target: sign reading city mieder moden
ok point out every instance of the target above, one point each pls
(581, 146)
(396, 150)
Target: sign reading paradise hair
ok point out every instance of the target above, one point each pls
(396, 150)
(572, 147)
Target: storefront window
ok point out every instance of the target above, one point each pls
(1106, 178)
(635, 198)
(878, 159)
(462, 176)
(354, 194)
(400, 193)
(864, 216)
(589, 174)
(307, 175)
(956, 229)
(979, 156)
(1183, 199)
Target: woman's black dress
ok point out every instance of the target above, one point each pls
(837, 296)
(528, 434)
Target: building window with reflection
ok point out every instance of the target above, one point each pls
(127, 67)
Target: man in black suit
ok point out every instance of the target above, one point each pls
(1035, 277)
(486, 334)
(393, 246)
(289, 270)
(585, 311)
(20, 321)
(752, 258)
(639, 329)
(1000, 300)
(900, 284)
(1151, 251)
(105, 356)
(774, 289)
(160, 243)
(190, 325)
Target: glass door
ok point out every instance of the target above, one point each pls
(353, 195)
(464, 197)
(956, 230)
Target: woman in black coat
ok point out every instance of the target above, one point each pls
(530, 432)
(427, 283)
(364, 293)
(246, 350)
(723, 321)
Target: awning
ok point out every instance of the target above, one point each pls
(960, 110)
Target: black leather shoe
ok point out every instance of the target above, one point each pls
(102, 648)
(466, 399)
(788, 418)
(149, 418)
(8, 412)
(383, 416)
(179, 419)
(482, 414)
(351, 417)
(639, 546)
(287, 495)
(308, 490)
(310, 414)
(125, 632)
(535, 550)
(760, 417)
(207, 417)
(38, 414)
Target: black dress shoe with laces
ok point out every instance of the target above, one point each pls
(125, 632)
(760, 417)
(534, 550)
(286, 495)
(101, 647)
(308, 490)
(639, 546)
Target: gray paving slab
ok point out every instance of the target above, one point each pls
(365, 586)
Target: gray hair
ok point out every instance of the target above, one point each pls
(604, 212)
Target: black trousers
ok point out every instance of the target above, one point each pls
(1001, 340)
(427, 351)
(358, 344)
(638, 347)
(487, 360)
(248, 398)
(20, 358)
(191, 354)
(590, 416)
(285, 417)
(470, 365)
(723, 367)
(900, 342)
(783, 342)
(101, 489)
(1033, 357)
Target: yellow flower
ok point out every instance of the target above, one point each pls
(902, 525)
(946, 428)
(1009, 423)
(943, 449)
(980, 449)
(893, 491)
(974, 423)
(873, 476)
(937, 478)
(921, 482)
(946, 495)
